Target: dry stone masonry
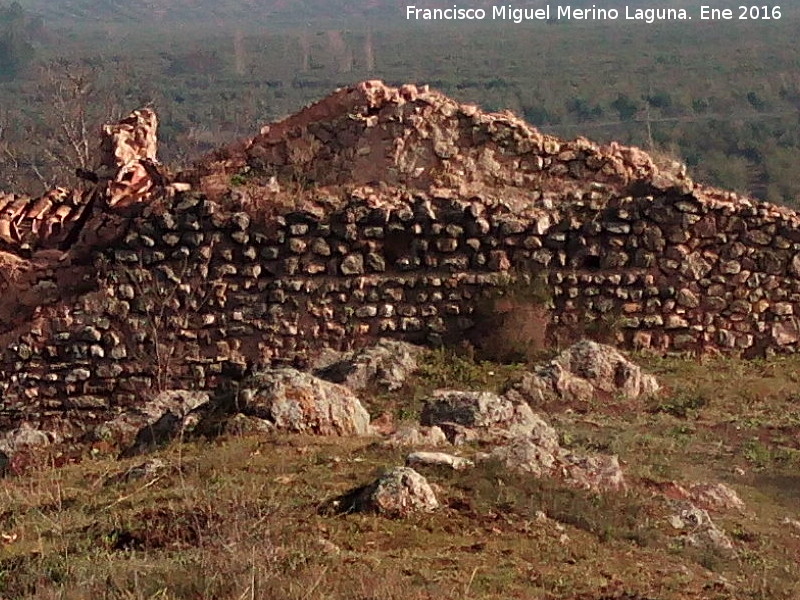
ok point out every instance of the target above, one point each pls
(377, 212)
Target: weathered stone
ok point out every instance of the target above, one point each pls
(488, 415)
(786, 332)
(387, 364)
(152, 423)
(584, 371)
(301, 403)
(397, 493)
(699, 530)
(783, 308)
(25, 438)
(687, 298)
(438, 459)
(525, 455)
(695, 266)
(352, 264)
(417, 436)
(595, 472)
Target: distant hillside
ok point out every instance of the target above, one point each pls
(256, 11)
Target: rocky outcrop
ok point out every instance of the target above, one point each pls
(298, 402)
(484, 416)
(153, 423)
(585, 371)
(519, 439)
(384, 365)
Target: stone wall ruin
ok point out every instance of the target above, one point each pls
(380, 212)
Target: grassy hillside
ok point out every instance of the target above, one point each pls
(240, 517)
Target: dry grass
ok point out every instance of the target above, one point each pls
(12, 267)
(239, 517)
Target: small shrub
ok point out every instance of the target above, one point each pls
(238, 179)
(682, 405)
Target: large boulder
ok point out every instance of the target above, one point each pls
(302, 403)
(481, 416)
(584, 371)
(385, 365)
(397, 493)
(153, 423)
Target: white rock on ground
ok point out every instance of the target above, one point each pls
(525, 442)
(26, 437)
(594, 472)
(22, 439)
(416, 436)
(397, 493)
(699, 530)
(525, 455)
(437, 459)
(301, 403)
(582, 372)
(153, 423)
(716, 496)
(712, 496)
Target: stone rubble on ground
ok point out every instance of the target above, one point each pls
(711, 496)
(21, 440)
(153, 423)
(484, 415)
(417, 436)
(699, 530)
(26, 437)
(523, 441)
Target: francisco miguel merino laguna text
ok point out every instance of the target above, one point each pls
(544, 13)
